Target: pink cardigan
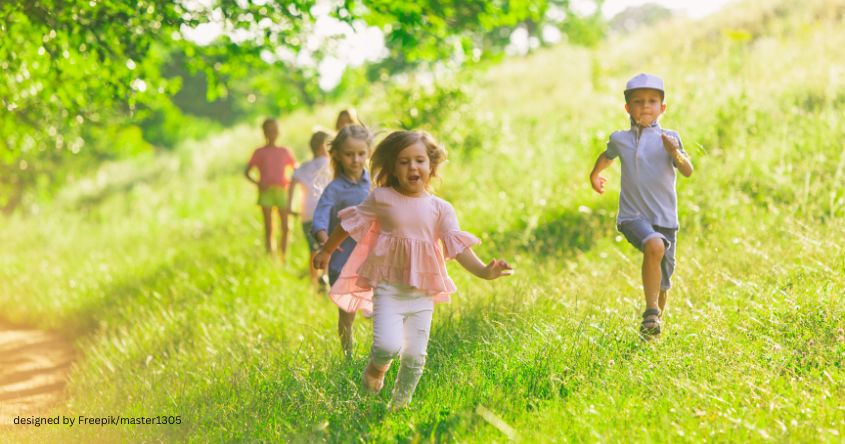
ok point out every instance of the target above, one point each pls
(397, 239)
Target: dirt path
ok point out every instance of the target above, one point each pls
(34, 367)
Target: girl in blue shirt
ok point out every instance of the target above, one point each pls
(349, 152)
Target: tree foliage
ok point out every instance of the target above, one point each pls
(73, 64)
(425, 31)
(81, 74)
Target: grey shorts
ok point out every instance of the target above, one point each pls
(639, 231)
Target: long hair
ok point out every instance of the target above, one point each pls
(358, 132)
(383, 162)
(346, 117)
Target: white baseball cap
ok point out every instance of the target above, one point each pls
(643, 80)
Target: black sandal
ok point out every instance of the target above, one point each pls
(651, 322)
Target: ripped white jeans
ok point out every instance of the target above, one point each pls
(401, 327)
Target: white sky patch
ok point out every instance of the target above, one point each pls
(345, 45)
(204, 33)
(331, 72)
(551, 34)
(519, 42)
(583, 7)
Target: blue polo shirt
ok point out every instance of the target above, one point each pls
(648, 175)
(340, 193)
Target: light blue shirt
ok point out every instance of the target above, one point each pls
(648, 175)
(340, 193)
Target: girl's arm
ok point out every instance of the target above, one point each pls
(322, 215)
(496, 268)
(321, 257)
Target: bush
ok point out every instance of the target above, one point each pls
(446, 109)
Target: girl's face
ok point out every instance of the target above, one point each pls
(412, 169)
(645, 106)
(353, 157)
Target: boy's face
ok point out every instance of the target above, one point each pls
(645, 106)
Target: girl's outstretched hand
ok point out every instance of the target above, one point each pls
(497, 268)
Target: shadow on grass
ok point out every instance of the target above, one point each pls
(560, 232)
(88, 201)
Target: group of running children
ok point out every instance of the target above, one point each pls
(384, 239)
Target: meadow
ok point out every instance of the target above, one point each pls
(156, 265)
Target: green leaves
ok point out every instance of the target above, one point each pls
(75, 64)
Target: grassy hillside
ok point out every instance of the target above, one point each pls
(157, 266)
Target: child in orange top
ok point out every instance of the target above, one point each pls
(272, 162)
(397, 270)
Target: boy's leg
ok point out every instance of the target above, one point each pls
(641, 234)
(653, 250)
(267, 212)
(667, 266)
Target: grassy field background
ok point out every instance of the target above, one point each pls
(156, 266)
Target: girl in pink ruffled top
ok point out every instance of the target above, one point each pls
(397, 270)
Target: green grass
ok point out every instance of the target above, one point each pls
(156, 267)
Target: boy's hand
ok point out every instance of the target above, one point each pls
(670, 143)
(598, 181)
(497, 268)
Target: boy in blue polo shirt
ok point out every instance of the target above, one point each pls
(648, 204)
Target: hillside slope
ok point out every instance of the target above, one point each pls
(156, 266)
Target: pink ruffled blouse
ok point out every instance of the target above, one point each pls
(399, 242)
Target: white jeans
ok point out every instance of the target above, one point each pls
(401, 326)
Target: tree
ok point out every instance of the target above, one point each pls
(73, 66)
(74, 63)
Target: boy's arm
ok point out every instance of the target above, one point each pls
(596, 179)
(683, 163)
(679, 158)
